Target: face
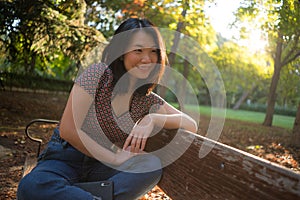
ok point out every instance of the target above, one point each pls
(141, 56)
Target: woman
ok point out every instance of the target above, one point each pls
(110, 113)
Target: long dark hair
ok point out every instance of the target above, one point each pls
(113, 54)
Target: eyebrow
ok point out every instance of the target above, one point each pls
(141, 46)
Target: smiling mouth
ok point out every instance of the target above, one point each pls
(143, 67)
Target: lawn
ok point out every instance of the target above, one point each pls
(249, 116)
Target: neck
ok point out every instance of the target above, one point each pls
(132, 84)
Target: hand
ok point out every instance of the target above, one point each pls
(138, 137)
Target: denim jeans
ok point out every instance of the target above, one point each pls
(60, 166)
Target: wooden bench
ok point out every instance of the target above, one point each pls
(224, 173)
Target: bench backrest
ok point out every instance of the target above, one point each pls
(224, 173)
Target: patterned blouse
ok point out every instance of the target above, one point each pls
(101, 119)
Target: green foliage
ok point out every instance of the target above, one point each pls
(106, 15)
(262, 108)
(34, 31)
(34, 82)
(241, 70)
(289, 84)
(280, 22)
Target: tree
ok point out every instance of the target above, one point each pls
(296, 129)
(35, 31)
(289, 85)
(282, 25)
(241, 71)
(106, 15)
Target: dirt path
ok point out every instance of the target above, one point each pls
(18, 108)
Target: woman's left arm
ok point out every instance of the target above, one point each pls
(170, 118)
(166, 117)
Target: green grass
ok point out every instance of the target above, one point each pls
(249, 116)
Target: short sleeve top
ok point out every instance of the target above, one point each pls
(96, 80)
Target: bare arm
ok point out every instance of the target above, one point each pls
(170, 118)
(70, 129)
(166, 117)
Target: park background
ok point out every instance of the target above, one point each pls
(254, 44)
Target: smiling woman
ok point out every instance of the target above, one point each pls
(110, 114)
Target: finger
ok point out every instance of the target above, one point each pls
(144, 140)
(133, 143)
(127, 141)
(138, 145)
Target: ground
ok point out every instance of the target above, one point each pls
(18, 108)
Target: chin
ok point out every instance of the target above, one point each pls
(140, 75)
(144, 76)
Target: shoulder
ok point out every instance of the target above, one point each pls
(154, 96)
(144, 104)
(93, 76)
(94, 70)
(153, 99)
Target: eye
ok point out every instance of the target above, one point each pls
(154, 50)
(138, 50)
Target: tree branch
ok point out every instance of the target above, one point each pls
(292, 58)
(289, 58)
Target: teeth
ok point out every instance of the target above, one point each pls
(143, 67)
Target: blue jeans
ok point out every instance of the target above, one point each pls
(60, 166)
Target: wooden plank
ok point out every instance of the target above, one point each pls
(225, 173)
(30, 163)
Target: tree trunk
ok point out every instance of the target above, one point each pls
(176, 39)
(172, 54)
(241, 100)
(243, 97)
(32, 63)
(183, 86)
(275, 78)
(207, 99)
(296, 129)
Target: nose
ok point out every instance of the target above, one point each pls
(146, 58)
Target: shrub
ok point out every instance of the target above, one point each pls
(34, 82)
(280, 110)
